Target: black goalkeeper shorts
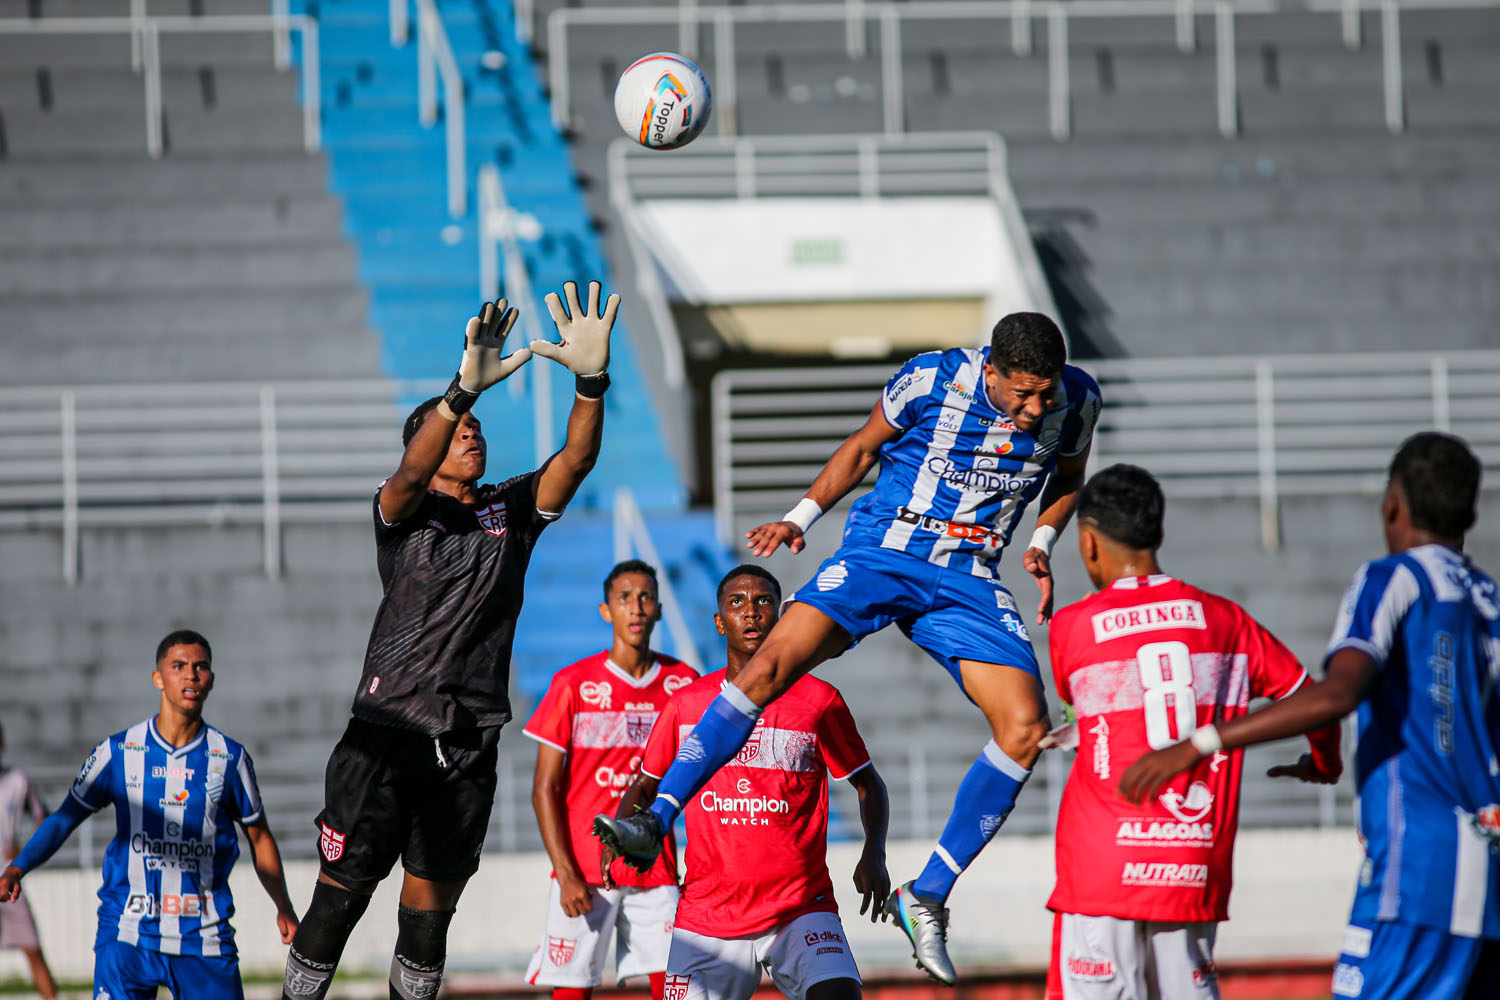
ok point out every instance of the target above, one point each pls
(390, 793)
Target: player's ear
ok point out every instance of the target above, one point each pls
(161, 685)
(605, 613)
(719, 622)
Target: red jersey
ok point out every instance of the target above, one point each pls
(758, 831)
(600, 717)
(1144, 663)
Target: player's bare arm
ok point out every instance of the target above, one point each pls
(842, 473)
(1350, 676)
(583, 349)
(871, 880)
(548, 793)
(1058, 501)
(268, 869)
(484, 363)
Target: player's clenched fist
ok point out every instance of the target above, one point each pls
(767, 538)
(584, 345)
(10, 883)
(484, 362)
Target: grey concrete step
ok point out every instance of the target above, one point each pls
(99, 50)
(24, 87)
(81, 133)
(135, 181)
(290, 219)
(107, 271)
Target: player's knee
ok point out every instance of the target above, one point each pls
(320, 939)
(421, 950)
(1019, 736)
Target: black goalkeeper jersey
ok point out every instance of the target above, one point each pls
(439, 653)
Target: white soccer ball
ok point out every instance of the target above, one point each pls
(663, 101)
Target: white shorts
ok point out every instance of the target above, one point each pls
(17, 929)
(807, 950)
(572, 948)
(1107, 958)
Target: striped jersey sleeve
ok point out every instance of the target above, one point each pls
(1382, 593)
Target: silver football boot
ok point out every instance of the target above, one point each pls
(636, 839)
(926, 925)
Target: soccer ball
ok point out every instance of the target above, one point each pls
(662, 101)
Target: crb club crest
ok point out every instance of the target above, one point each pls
(675, 988)
(560, 950)
(751, 749)
(638, 727)
(492, 519)
(331, 843)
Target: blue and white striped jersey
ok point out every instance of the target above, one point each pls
(166, 872)
(1428, 777)
(953, 486)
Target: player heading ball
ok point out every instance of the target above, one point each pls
(966, 440)
(413, 776)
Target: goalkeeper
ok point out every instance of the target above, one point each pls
(413, 776)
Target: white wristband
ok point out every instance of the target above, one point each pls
(1205, 740)
(804, 514)
(1043, 538)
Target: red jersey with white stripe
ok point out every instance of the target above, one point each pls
(1144, 663)
(600, 716)
(758, 831)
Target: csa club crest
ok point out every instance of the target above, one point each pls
(492, 519)
(560, 950)
(675, 988)
(751, 749)
(331, 843)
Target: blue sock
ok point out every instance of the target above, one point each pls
(985, 797)
(714, 741)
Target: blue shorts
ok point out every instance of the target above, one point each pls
(952, 615)
(125, 972)
(1401, 961)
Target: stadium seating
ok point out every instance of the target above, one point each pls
(421, 265)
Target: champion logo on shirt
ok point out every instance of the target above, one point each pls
(673, 683)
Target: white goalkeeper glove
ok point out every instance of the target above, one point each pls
(584, 345)
(485, 362)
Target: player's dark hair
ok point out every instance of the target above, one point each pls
(418, 416)
(747, 569)
(628, 566)
(183, 637)
(1440, 477)
(1028, 342)
(1124, 503)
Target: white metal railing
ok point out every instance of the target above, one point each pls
(1181, 14)
(889, 16)
(436, 63)
(1234, 427)
(497, 240)
(631, 537)
(145, 44)
(215, 453)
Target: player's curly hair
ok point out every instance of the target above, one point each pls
(1028, 342)
(628, 566)
(747, 569)
(415, 419)
(183, 637)
(1124, 503)
(1439, 476)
